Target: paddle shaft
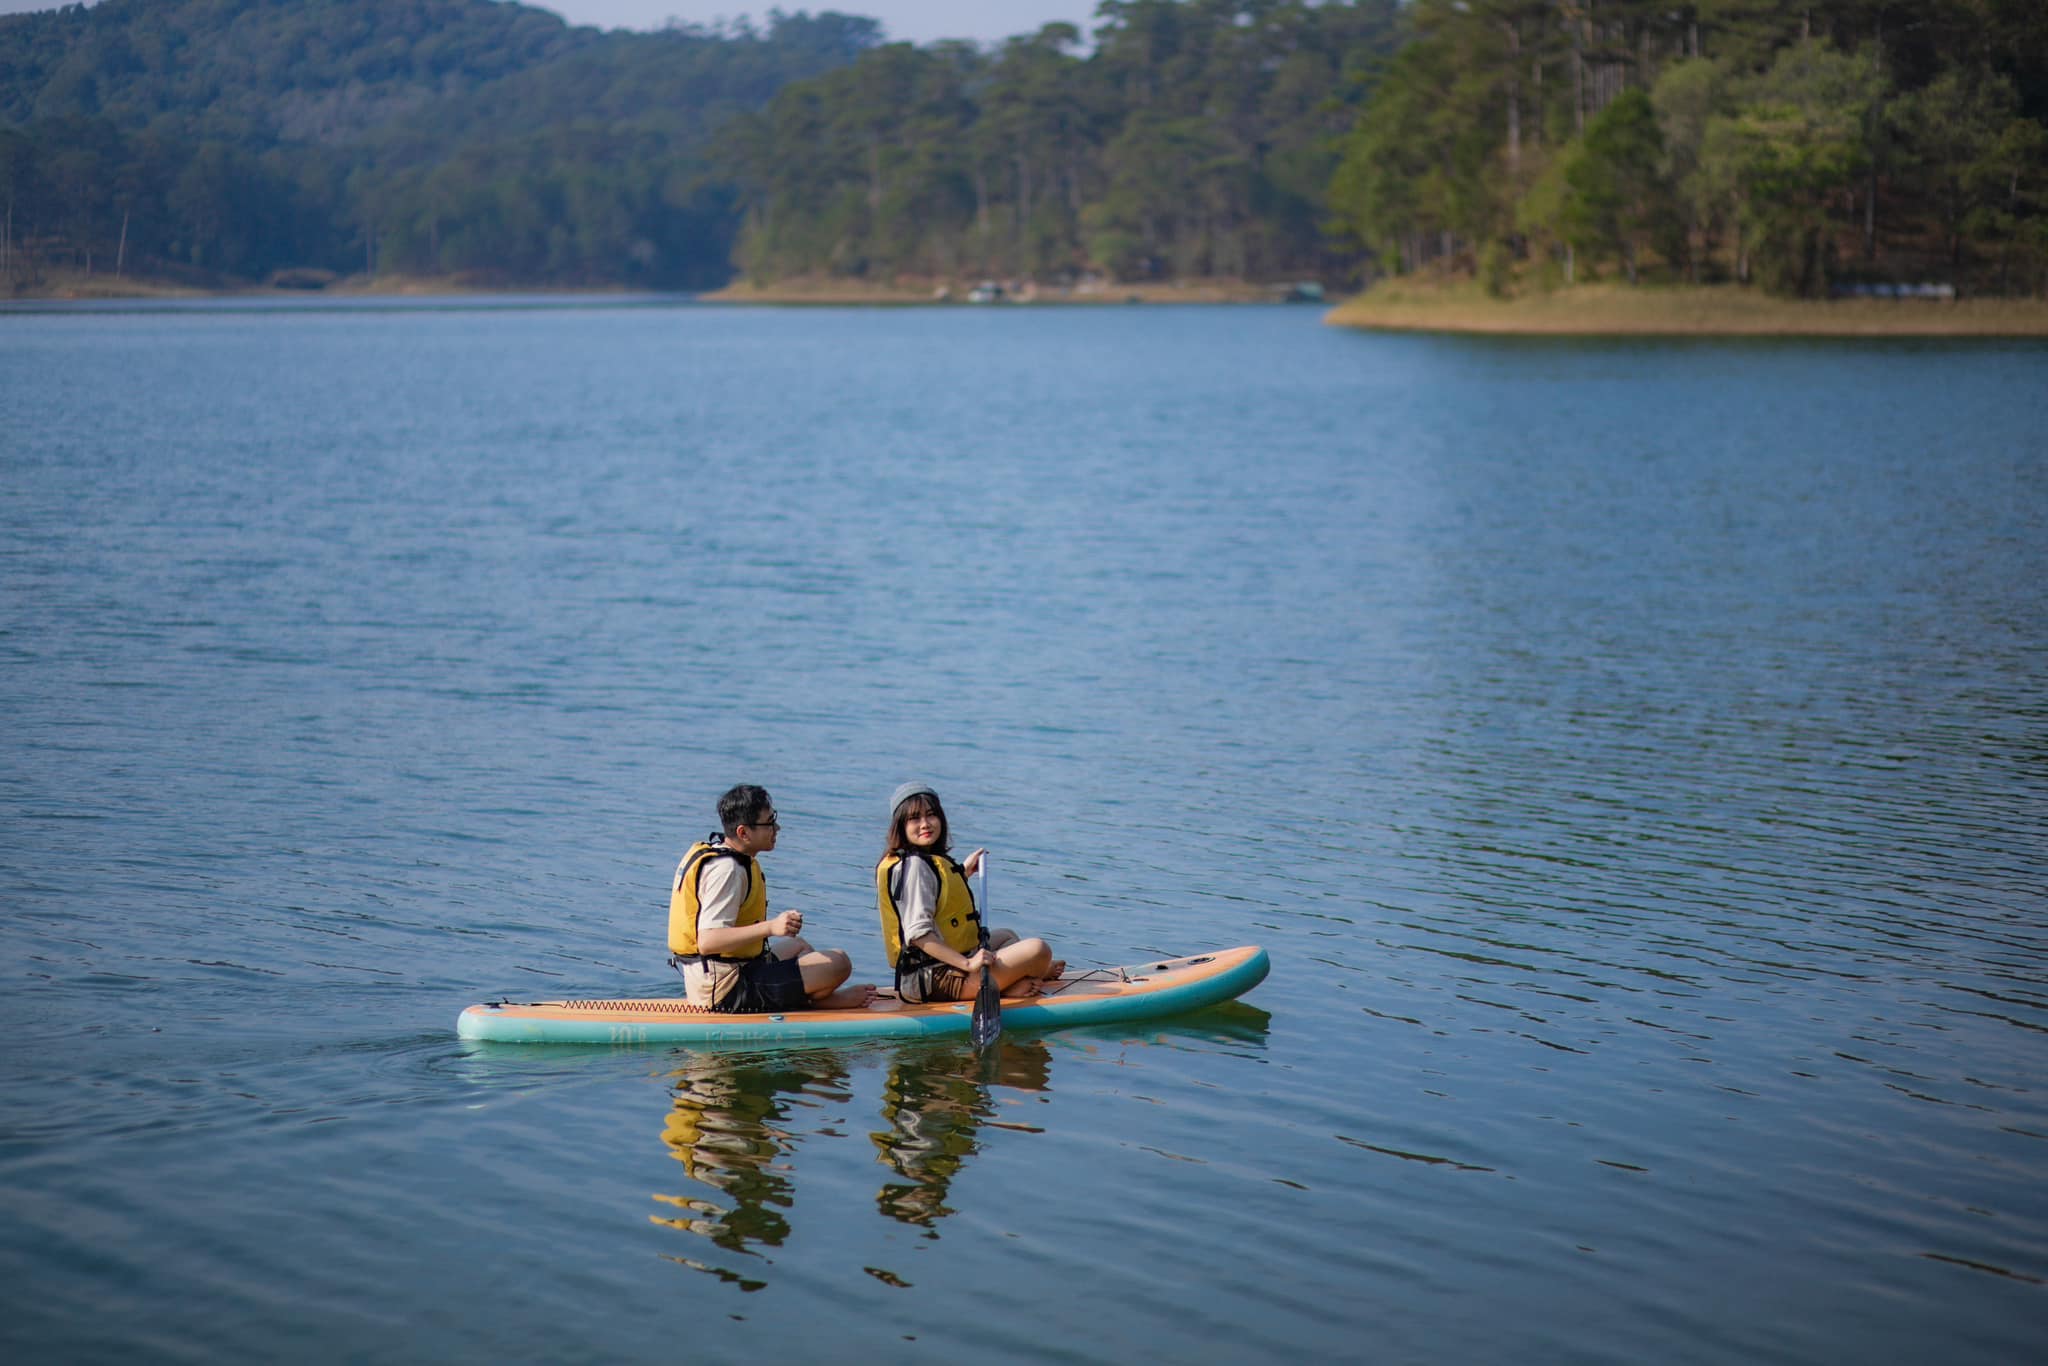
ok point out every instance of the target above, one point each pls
(988, 1001)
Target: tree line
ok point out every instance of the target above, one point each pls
(240, 138)
(1197, 138)
(1795, 145)
(225, 140)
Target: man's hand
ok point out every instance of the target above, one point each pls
(786, 924)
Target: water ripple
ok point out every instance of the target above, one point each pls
(1628, 754)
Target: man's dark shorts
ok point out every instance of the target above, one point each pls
(766, 983)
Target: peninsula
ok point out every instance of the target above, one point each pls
(1418, 305)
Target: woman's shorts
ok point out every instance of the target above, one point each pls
(766, 983)
(931, 980)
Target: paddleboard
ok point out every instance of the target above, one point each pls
(1165, 986)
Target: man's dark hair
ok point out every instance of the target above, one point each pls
(740, 805)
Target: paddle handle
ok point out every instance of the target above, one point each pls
(981, 875)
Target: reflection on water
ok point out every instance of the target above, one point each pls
(1228, 1022)
(736, 1120)
(729, 1125)
(933, 1104)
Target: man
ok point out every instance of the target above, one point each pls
(735, 957)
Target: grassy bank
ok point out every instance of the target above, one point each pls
(71, 284)
(1713, 310)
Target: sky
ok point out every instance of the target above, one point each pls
(916, 21)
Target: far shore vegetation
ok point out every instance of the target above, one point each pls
(70, 284)
(1435, 303)
(1764, 166)
(1430, 303)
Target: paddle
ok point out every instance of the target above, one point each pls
(988, 1002)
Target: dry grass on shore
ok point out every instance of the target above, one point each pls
(822, 290)
(78, 285)
(1709, 310)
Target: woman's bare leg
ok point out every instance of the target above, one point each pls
(1020, 960)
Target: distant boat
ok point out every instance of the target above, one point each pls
(987, 292)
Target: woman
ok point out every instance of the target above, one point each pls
(931, 929)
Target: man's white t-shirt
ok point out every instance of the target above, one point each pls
(721, 890)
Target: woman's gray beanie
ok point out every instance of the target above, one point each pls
(907, 791)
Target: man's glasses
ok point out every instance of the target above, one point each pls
(774, 822)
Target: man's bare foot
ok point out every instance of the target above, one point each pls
(1057, 970)
(849, 998)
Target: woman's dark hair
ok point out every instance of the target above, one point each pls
(916, 804)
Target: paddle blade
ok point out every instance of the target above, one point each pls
(987, 1025)
(988, 1002)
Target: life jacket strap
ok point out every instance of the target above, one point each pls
(679, 960)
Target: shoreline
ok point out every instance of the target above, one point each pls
(1457, 307)
(1610, 310)
(75, 287)
(933, 293)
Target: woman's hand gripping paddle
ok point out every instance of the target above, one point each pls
(988, 1002)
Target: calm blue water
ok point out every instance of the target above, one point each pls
(1632, 756)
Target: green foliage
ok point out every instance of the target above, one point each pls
(2008, 180)
(1258, 138)
(1496, 269)
(1197, 139)
(1687, 97)
(239, 137)
(1663, 136)
(1381, 183)
(1544, 217)
(494, 140)
(1791, 148)
(1618, 196)
(1962, 136)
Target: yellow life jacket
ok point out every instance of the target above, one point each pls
(684, 907)
(957, 921)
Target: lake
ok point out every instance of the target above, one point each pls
(1634, 756)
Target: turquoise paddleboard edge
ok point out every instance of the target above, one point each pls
(483, 1024)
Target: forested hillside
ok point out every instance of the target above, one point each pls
(229, 139)
(232, 139)
(1196, 139)
(1797, 145)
